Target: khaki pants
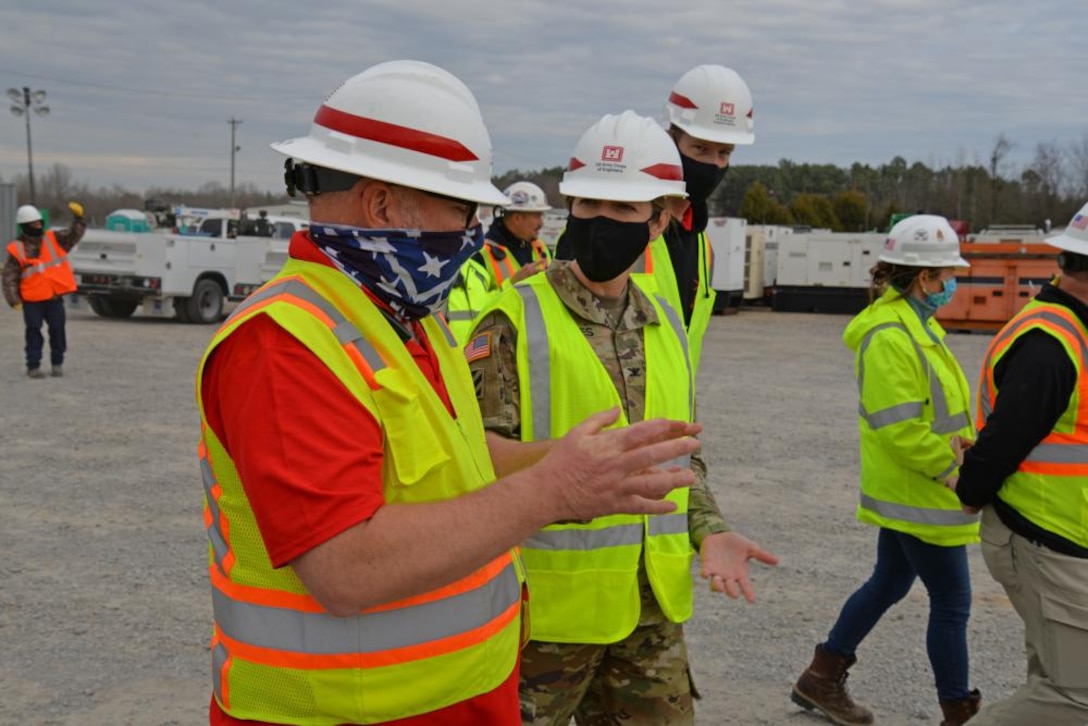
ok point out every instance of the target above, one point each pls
(1050, 592)
(642, 680)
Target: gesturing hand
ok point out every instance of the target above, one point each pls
(724, 557)
(592, 472)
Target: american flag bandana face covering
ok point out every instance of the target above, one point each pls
(410, 270)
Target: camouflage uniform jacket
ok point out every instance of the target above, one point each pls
(619, 346)
(13, 271)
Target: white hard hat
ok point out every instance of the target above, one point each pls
(1075, 237)
(923, 240)
(526, 197)
(27, 213)
(404, 122)
(712, 103)
(624, 158)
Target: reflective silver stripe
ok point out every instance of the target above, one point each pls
(450, 340)
(681, 334)
(918, 515)
(457, 315)
(947, 472)
(586, 539)
(951, 424)
(215, 531)
(892, 415)
(322, 634)
(1059, 454)
(344, 330)
(219, 661)
(943, 422)
(54, 250)
(675, 523)
(539, 363)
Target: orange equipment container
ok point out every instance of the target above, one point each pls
(1002, 278)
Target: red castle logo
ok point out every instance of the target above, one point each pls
(728, 109)
(612, 153)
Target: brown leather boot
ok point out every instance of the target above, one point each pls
(823, 687)
(960, 711)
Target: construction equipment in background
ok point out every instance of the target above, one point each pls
(1009, 264)
(761, 242)
(727, 257)
(825, 272)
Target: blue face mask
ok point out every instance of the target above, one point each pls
(410, 270)
(937, 299)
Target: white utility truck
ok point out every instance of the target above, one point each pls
(167, 274)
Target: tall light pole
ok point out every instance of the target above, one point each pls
(234, 148)
(22, 104)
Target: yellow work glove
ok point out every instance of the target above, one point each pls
(77, 208)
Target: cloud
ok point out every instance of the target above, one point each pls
(141, 92)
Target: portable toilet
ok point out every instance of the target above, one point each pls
(127, 220)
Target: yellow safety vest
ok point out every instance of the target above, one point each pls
(277, 655)
(468, 296)
(1050, 487)
(654, 273)
(906, 420)
(584, 576)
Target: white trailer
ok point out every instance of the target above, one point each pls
(761, 261)
(825, 271)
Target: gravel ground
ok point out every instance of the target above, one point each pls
(104, 607)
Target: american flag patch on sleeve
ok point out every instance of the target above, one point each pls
(479, 347)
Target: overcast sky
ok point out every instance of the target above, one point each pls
(141, 92)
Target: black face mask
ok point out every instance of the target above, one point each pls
(701, 178)
(33, 232)
(605, 248)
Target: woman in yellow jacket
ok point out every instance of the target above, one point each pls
(913, 400)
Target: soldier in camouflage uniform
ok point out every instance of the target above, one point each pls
(643, 678)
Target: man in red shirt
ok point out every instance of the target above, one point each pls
(362, 552)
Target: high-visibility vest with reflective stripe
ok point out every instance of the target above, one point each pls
(46, 276)
(654, 273)
(583, 577)
(468, 297)
(501, 270)
(920, 415)
(277, 655)
(1050, 487)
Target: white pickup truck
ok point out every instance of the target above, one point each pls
(165, 274)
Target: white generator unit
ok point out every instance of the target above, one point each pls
(761, 261)
(726, 236)
(825, 271)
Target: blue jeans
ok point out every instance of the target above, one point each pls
(52, 313)
(900, 558)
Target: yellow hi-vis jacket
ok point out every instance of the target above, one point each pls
(1050, 487)
(654, 273)
(913, 397)
(583, 577)
(277, 655)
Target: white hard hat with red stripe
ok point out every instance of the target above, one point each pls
(1075, 237)
(404, 122)
(624, 158)
(712, 103)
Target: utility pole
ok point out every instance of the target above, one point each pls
(23, 102)
(234, 148)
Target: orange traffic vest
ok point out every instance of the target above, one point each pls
(502, 270)
(46, 276)
(1050, 487)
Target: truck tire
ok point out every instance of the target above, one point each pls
(206, 304)
(181, 309)
(111, 308)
